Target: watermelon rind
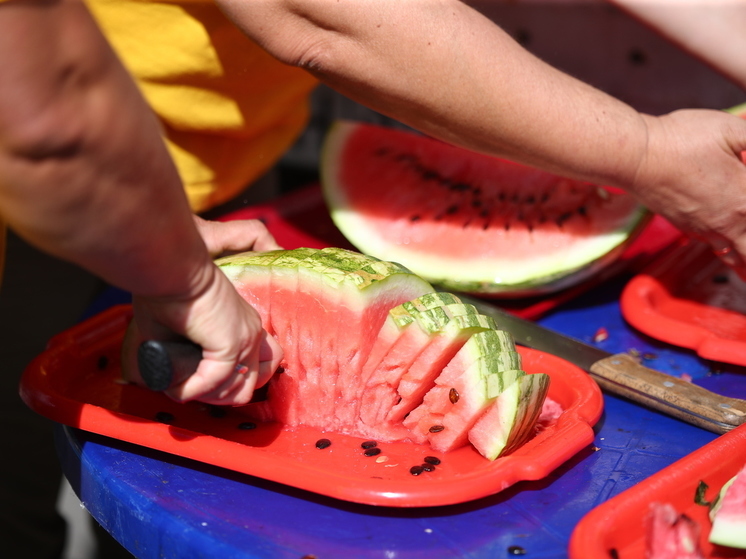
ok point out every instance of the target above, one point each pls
(367, 341)
(728, 513)
(472, 271)
(738, 110)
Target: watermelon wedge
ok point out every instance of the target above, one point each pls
(468, 222)
(728, 513)
(371, 350)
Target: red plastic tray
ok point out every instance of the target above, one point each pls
(76, 382)
(301, 219)
(619, 523)
(690, 299)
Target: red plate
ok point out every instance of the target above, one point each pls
(75, 382)
(690, 299)
(619, 523)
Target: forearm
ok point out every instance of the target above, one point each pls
(443, 68)
(713, 31)
(84, 173)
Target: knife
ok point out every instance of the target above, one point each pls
(620, 374)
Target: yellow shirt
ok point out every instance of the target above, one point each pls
(228, 108)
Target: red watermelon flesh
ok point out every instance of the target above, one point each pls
(495, 433)
(342, 303)
(727, 514)
(468, 221)
(671, 535)
(481, 369)
(421, 374)
(379, 393)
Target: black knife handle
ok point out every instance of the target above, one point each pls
(166, 364)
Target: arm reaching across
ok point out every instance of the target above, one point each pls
(444, 69)
(84, 175)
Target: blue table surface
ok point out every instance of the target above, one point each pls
(161, 506)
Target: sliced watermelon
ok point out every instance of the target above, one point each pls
(484, 366)
(367, 341)
(466, 221)
(728, 514)
(671, 535)
(509, 421)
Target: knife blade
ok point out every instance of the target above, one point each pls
(620, 374)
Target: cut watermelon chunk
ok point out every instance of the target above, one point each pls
(510, 419)
(367, 342)
(671, 535)
(466, 221)
(728, 514)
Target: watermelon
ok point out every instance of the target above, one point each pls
(728, 513)
(466, 221)
(671, 535)
(371, 350)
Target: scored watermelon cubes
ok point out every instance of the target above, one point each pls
(372, 350)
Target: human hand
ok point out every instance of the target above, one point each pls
(694, 174)
(238, 356)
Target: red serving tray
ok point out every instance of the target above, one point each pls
(301, 219)
(619, 523)
(75, 381)
(690, 299)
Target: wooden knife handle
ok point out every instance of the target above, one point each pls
(621, 374)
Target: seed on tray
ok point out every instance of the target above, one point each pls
(415, 470)
(369, 444)
(428, 467)
(434, 460)
(372, 451)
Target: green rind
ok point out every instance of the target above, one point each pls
(728, 529)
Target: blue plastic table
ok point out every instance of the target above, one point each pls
(160, 506)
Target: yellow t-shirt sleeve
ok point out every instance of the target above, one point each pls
(228, 108)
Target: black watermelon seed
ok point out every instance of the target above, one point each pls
(516, 550)
(247, 425)
(436, 428)
(164, 417)
(453, 395)
(369, 444)
(372, 451)
(613, 553)
(434, 460)
(720, 278)
(103, 361)
(323, 443)
(428, 467)
(217, 411)
(415, 470)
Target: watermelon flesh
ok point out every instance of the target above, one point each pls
(372, 351)
(466, 221)
(671, 535)
(728, 514)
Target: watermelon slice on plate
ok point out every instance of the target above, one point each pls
(76, 381)
(372, 351)
(469, 222)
